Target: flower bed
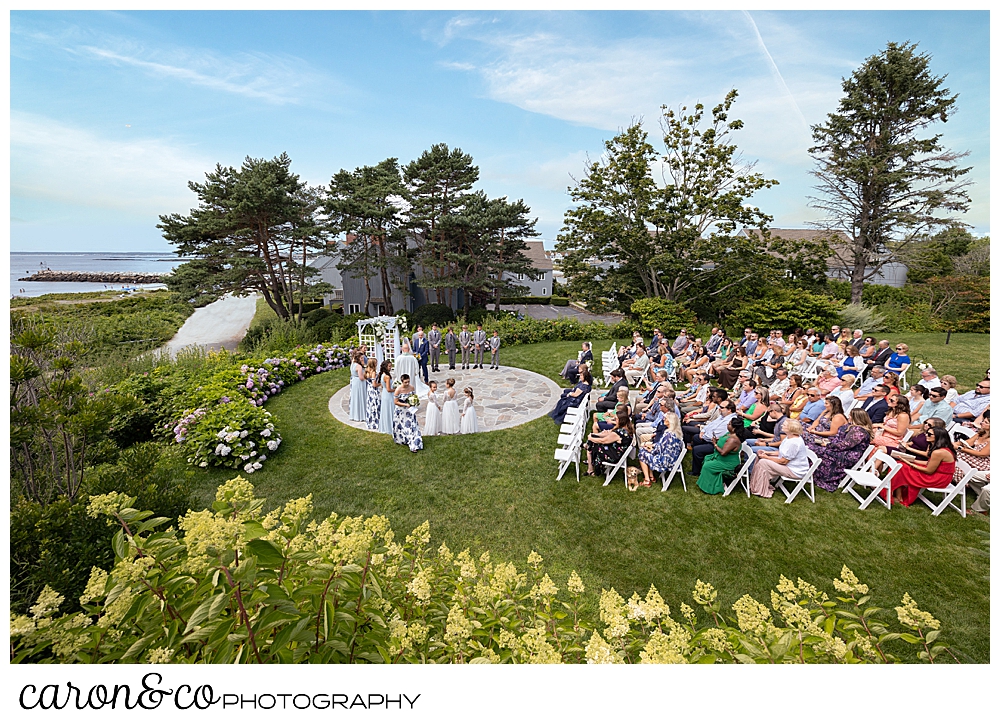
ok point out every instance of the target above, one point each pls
(222, 421)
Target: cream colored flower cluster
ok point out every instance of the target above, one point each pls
(910, 615)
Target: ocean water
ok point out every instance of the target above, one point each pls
(23, 264)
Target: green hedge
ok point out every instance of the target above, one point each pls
(525, 300)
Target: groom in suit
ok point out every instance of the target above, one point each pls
(421, 350)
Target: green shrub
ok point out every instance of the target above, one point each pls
(559, 301)
(57, 544)
(861, 316)
(786, 309)
(235, 585)
(429, 314)
(668, 316)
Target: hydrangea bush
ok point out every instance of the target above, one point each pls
(236, 584)
(229, 401)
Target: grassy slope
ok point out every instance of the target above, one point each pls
(497, 491)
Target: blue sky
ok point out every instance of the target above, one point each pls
(112, 113)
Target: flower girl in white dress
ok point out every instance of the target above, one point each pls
(451, 418)
(469, 421)
(432, 425)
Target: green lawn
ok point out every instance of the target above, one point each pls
(498, 491)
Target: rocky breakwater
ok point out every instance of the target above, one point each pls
(48, 275)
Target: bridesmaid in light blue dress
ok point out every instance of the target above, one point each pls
(359, 392)
(388, 401)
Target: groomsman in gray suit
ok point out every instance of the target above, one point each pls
(450, 345)
(465, 340)
(434, 337)
(479, 346)
(413, 339)
(495, 350)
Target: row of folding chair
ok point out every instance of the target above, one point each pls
(862, 475)
(609, 363)
(570, 441)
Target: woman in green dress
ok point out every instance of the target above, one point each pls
(725, 459)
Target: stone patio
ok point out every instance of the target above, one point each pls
(504, 398)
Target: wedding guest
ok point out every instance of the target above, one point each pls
(606, 447)
(359, 394)
(703, 441)
(827, 424)
(388, 401)
(451, 418)
(950, 384)
(899, 361)
(660, 454)
(790, 460)
(729, 373)
(495, 350)
(844, 392)
(470, 423)
(970, 405)
(432, 423)
(812, 409)
(893, 428)
(434, 340)
(916, 396)
(610, 399)
(928, 378)
(451, 347)
(725, 458)
(574, 396)
(570, 370)
(405, 430)
(853, 363)
(892, 380)
(876, 405)
(937, 472)
(976, 453)
(374, 402)
(843, 450)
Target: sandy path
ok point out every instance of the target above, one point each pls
(219, 324)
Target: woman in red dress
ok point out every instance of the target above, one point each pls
(937, 472)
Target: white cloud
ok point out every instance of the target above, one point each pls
(140, 177)
(277, 79)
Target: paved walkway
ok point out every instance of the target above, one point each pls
(504, 398)
(548, 311)
(222, 323)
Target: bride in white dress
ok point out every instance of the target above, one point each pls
(451, 418)
(406, 364)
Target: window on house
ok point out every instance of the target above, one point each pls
(520, 277)
(354, 309)
(545, 290)
(379, 310)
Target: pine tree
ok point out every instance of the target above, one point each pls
(882, 181)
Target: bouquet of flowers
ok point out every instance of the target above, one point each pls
(413, 400)
(789, 366)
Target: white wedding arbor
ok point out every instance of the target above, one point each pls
(381, 336)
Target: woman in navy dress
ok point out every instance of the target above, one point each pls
(574, 396)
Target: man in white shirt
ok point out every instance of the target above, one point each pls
(702, 445)
(635, 368)
(780, 384)
(871, 382)
(929, 378)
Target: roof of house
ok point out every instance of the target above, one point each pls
(536, 253)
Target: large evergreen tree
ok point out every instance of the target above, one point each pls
(255, 226)
(882, 180)
(365, 206)
(438, 185)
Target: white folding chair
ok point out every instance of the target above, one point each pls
(864, 463)
(952, 491)
(957, 429)
(667, 477)
(868, 479)
(568, 456)
(801, 483)
(621, 465)
(903, 384)
(743, 475)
